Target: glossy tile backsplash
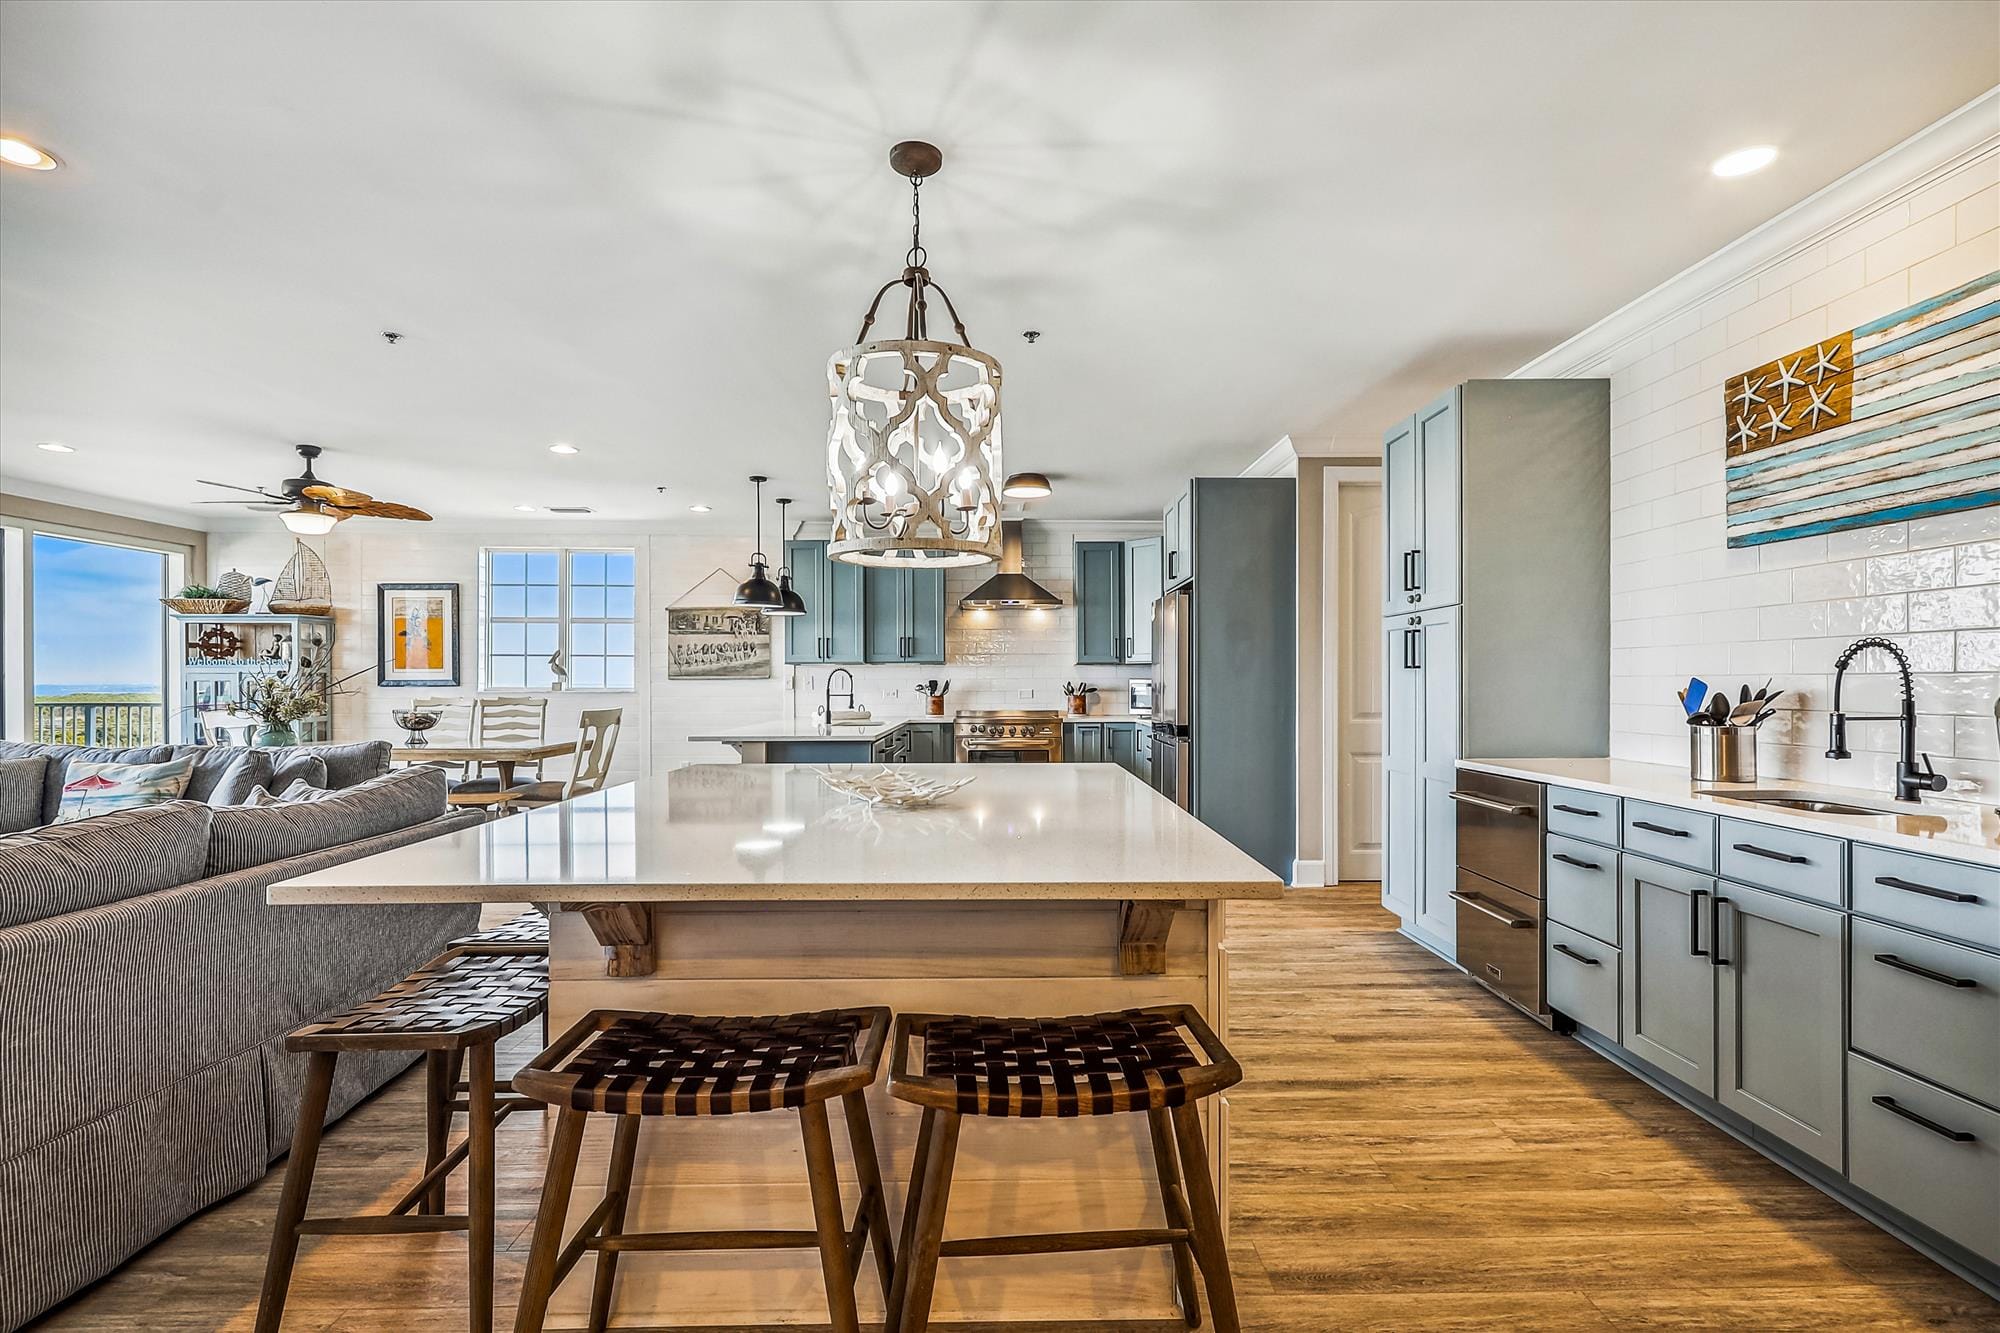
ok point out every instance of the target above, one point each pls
(1683, 604)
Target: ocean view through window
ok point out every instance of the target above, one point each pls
(99, 642)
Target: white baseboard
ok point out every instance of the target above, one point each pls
(1308, 874)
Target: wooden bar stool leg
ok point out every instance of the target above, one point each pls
(899, 1291)
(861, 1139)
(1176, 1210)
(538, 1283)
(297, 1189)
(440, 1089)
(828, 1219)
(479, 1187)
(920, 1256)
(1207, 1219)
(618, 1185)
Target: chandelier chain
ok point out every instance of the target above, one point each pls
(917, 255)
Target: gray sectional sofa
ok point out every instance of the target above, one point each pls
(146, 987)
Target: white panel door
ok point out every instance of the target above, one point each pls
(1437, 771)
(1358, 669)
(1402, 814)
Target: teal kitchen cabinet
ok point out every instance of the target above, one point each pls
(904, 615)
(1177, 543)
(1100, 603)
(930, 743)
(1121, 747)
(1084, 743)
(1142, 588)
(831, 629)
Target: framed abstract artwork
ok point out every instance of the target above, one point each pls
(1894, 419)
(417, 629)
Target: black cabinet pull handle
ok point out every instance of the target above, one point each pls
(1569, 860)
(1942, 978)
(1943, 1132)
(1750, 850)
(1694, 924)
(1577, 810)
(1568, 952)
(1661, 829)
(1892, 882)
(1715, 907)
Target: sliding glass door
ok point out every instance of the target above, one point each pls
(98, 663)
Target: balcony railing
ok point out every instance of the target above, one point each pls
(112, 725)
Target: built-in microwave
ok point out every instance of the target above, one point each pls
(1139, 696)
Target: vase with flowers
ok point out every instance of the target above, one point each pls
(279, 701)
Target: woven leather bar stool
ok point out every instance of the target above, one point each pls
(635, 1065)
(526, 933)
(1060, 1068)
(456, 1007)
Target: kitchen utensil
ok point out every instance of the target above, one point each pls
(1692, 696)
(1743, 693)
(1759, 720)
(1718, 707)
(1743, 714)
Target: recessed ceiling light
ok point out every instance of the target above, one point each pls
(20, 153)
(1744, 161)
(700, 509)
(50, 446)
(524, 509)
(564, 449)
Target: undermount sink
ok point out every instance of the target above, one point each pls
(1816, 804)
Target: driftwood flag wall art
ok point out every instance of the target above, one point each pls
(1898, 418)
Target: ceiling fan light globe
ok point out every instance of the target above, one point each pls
(307, 519)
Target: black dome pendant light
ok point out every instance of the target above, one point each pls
(758, 591)
(790, 603)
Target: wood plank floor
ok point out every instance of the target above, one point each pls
(1407, 1153)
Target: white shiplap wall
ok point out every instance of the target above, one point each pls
(1683, 604)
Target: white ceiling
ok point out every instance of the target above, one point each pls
(642, 228)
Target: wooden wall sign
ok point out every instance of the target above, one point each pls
(1898, 418)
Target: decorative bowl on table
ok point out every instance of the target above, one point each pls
(891, 787)
(415, 721)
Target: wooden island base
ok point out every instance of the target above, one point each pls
(1030, 957)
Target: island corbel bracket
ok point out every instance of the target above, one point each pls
(1143, 925)
(626, 932)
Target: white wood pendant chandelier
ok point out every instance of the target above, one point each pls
(913, 451)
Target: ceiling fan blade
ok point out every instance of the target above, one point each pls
(383, 509)
(232, 486)
(337, 495)
(247, 504)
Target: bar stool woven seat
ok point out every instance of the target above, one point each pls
(528, 931)
(461, 998)
(640, 1065)
(1092, 1065)
(1135, 1060)
(673, 1064)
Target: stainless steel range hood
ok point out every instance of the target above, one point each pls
(1010, 589)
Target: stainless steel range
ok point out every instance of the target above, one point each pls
(1009, 736)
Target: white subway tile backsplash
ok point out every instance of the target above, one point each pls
(1684, 603)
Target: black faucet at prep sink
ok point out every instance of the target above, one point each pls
(1910, 780)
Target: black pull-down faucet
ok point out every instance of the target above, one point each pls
(1910, 780)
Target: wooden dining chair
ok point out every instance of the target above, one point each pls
(590, 765)
(513, 719)
(454, 725)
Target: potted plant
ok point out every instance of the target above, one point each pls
(1078, 695)
(935, 693)
(280, 701)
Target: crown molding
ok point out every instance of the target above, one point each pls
(1965, 136)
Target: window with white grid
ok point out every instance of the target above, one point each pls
(583, 602)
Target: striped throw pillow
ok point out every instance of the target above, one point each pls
(98, 789)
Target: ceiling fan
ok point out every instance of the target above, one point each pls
(310, 506)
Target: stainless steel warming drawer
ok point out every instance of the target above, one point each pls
(1499, 887)
(1500, 829)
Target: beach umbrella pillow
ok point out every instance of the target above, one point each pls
(98, 789)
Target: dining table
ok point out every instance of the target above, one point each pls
(503, 758)
(750, 889)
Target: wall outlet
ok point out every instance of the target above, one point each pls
(1027, 694)
(891, 693)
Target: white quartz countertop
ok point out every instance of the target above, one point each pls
(1073, 719)
(1952, 829)
(737, 832)
(810, 729)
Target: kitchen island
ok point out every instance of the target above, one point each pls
(879, 740)
(754, 889)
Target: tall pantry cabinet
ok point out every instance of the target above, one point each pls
(1496, 610)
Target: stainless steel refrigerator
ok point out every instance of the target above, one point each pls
(1172, 733)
